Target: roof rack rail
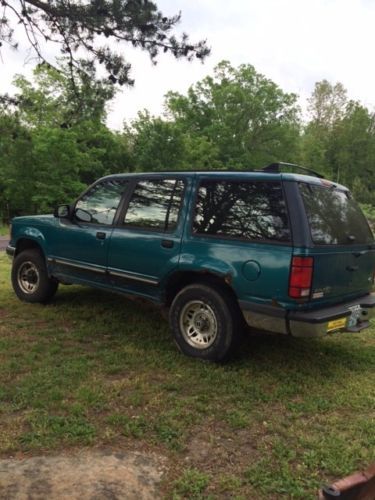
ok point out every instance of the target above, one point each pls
(276, 168)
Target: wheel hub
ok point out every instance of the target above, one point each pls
(198, 324)
(201, 322)
(28, 277)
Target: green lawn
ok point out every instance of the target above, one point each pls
(94, 368)
(4, 230)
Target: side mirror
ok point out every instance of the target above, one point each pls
(83, 215)
(62, 211)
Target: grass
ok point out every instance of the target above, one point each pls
(4, 230)
(93, 368)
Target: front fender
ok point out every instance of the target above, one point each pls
(30, 234)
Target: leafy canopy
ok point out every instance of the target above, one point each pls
(54, 99)
(55, 142)
(236, 118)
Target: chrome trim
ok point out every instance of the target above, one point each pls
(262, 321)
(78, 266)
(301, 329)
(121, 274)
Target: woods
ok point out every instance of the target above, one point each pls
(54, 140)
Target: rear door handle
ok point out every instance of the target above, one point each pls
(100, 235)
(167, 243)
(352, 268)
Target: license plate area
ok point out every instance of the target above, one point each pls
(336, 324)
(347, 321)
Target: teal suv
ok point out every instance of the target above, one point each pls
(283, 252)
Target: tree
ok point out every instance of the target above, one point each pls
(15, 152)
(243, 118)
(157, 144)
(351, 151)
(86, 25)
(327, 103)
(236, 118)
(54, 99)
(327, 107)
(339, 140)
(55, 143)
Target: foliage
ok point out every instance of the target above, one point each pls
(191, 485)
(156, 144)
(339, 140)
(55, 142)
(54, 100)
(245, 116)
(95, 27)
(327, 103)
(235, 119)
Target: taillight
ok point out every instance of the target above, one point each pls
(300, 279)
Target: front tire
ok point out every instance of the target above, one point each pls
(30, 279)
(205, 323)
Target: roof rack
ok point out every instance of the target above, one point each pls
(276, 168)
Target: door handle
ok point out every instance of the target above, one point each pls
(352, 268)
(358, 254)
(167, 243)
(100, 235)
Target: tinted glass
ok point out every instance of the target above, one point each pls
(102, 200)
(250, 210)
(155, 204)
(334, 217)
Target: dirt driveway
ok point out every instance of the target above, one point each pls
(86, 475)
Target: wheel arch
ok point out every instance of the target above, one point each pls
(25, 243)
(180, 279)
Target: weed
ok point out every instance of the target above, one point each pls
(191, 484)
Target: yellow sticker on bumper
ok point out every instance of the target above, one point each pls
(336, 324)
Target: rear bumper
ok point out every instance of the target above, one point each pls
(350, 316)
(10, 251)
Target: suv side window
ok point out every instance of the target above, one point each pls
(155, 204)
(102, 200)
(242, 210)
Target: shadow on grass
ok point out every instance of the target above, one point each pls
(144, 324)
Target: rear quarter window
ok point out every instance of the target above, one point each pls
(334, 217)
(254, 211)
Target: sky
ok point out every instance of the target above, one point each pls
(293, 42)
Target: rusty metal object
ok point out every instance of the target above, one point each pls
(358, 486)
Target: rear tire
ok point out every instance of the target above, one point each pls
(205, 323)
(30, 279)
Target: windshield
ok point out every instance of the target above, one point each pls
(334, 217)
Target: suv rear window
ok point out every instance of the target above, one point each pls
(334, 217)
(242, 210)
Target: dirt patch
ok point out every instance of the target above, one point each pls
(219, 450)
(98, 474)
